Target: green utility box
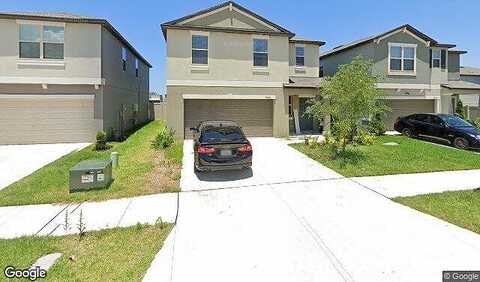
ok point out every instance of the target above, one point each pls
(90, 174)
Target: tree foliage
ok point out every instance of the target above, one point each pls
(348, 97)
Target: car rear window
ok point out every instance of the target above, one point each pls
(225, 134)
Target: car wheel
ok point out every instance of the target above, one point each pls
(460, 143)
(407, 132)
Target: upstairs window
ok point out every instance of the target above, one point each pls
(436, 58)
(136, 67)
(124, 58)
(38, 42)
(30, 38)
(199, 49)
(260, 52)
(300, 56)
(53, 41)
(402, 58)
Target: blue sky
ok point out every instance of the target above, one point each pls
(336, 22)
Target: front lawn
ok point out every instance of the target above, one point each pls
(142, 170)
(461, 208)
(119, 254)
(411, 156)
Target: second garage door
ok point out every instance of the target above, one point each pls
(32, 119)
(402, 108)
(254, 116)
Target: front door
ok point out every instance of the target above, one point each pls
(306, 123)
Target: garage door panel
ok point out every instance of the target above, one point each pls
(402, 108)
(48, 119)
(254, 116)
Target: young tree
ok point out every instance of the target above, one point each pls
(348, 97)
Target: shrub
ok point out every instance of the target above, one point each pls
(459, 110)
(376, 126)
(477, 122)
(164, 139)
(364, 137)
(101, 143)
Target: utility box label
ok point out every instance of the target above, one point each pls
(100, 177)
(87, 178)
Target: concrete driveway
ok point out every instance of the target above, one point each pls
(273, 162)
(293, 219)
(18, 161)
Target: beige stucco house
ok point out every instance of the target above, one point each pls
(64, 77)
(228, 63)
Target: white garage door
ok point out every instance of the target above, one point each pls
(254, 116)
(32, 119)
(402, 108)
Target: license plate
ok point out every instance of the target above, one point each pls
(225, 153)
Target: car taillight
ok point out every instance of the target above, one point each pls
(245, 148)
(205, 150)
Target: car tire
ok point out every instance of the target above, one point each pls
(407, 132)
(461, 143)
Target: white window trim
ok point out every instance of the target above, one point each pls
(42, 60)
(199, 66)
(402, 72)
(297, 67)
(261, 69)
(439, 59)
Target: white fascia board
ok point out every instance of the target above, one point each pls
(51, 80)
(228, 97)
(226, 83)
(407, 86)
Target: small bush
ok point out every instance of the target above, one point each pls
(164, 139)
(364, 137)
(101, 143)
(477, 122)
(376, 126)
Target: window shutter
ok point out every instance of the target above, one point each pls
(444, 59)
(430, 58)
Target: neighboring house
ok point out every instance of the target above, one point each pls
(64, 77)
(416, 72)
(228, 63)
(470, 74)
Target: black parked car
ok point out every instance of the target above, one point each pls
(447, 128)
(220, 145)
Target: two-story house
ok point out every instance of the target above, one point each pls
(470, 74)
(228, 63)
(416, 72)
(64, 77)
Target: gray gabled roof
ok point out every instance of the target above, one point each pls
(297, 39)
(369, 39)
(174, 23)
(72, 18)
(461, 85)
(469, 71)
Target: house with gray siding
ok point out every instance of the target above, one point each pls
(470, 74)
(227, 62)
(416, 72)
(64, 77)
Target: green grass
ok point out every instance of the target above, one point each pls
(120, 254)
(142, 170)
(411, 156)
(461, 208)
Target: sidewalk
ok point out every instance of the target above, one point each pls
(49, 219)
(402, 185)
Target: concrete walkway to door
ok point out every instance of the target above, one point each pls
(293, 219)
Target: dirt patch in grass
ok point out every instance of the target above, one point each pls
(165, 175)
